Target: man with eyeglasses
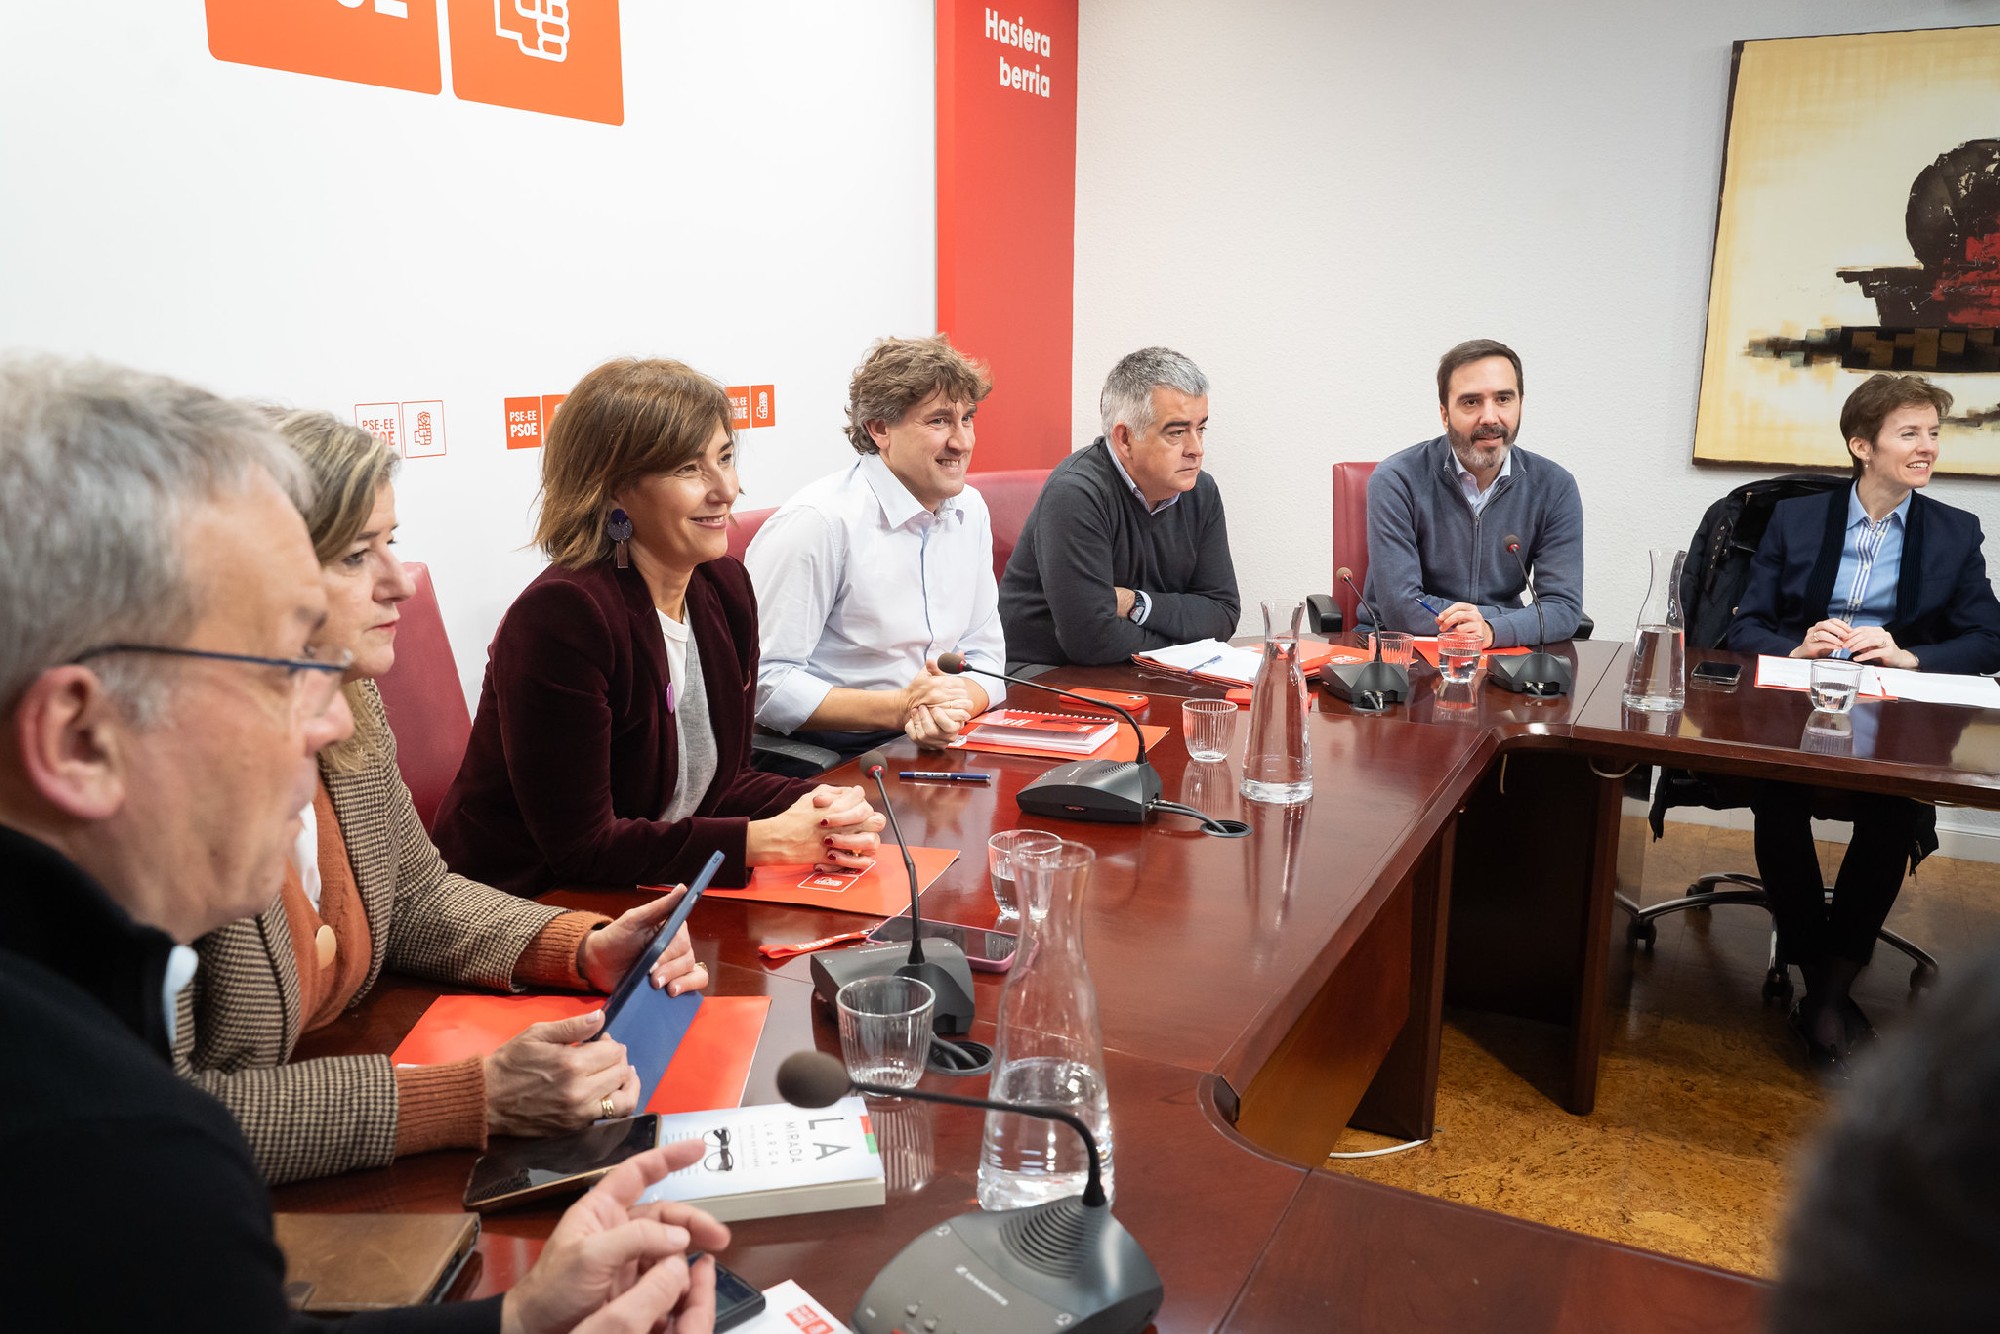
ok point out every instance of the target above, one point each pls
(165, 694)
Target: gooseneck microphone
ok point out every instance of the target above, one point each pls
(943, 968)
(1067, 1264)
(1373, 686)
(1540, 673)
(1109, 791)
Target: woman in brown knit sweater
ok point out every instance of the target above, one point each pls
(365, 890)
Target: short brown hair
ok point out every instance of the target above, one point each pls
(1862, 415)
(625, 420)
(1479, 349)
(900, 373)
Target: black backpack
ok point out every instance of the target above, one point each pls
(1718, 563)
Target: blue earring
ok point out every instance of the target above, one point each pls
(618, 527)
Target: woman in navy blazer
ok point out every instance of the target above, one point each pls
(1881, 574)
(602, 754)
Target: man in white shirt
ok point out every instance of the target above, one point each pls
(865, 576)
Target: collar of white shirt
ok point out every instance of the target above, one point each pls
(898, 505)
(1471, 483)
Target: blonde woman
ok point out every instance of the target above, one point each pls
(366, 890)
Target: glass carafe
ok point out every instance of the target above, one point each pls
(1277, 765)
(1050, 1048)
(1656, 680)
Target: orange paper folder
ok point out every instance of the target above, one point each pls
(880, 891)
(710, 1069)
(1426, 646)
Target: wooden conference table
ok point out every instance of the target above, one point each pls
(1259, 994)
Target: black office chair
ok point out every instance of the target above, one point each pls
(1712, 583)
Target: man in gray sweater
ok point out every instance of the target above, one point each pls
(1126, 548)
(1439, 515)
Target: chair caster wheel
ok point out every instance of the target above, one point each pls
(1778, 985)
(1922, 978)
(1642, 932)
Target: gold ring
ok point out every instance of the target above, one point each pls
(606, 1107)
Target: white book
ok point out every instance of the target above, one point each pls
(762, 1162)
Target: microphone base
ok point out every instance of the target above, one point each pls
(1107, 791)
(944, 970)
(1054, 1266)
(1539, 673)
(1370, 687)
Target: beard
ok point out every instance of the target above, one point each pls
(1483, 449)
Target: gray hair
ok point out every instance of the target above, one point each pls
(99, 469)
(1128, 390)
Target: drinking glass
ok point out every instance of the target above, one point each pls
(1834, 681)
(1210, 728)
(1397, 646)
(1458, 656)
(885, 1029)
(1001, 849)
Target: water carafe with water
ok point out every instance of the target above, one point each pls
(1277, 765)
(1050, 1048)
(1656, 681)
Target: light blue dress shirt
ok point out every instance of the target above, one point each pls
(1871, 559)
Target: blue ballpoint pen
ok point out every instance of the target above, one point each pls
(1426, 604)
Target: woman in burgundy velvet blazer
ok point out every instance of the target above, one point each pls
(577, 748)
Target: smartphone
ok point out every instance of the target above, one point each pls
(635, 976)
(539, 1168)
(988, 951)
(735, 1299)
(1718, 675)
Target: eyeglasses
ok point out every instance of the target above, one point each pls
(313, 681)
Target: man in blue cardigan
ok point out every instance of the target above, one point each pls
(1439, 514)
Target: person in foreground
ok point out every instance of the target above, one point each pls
(1896, 1223)
(364, 890)
(1439, 514)
(612, 741)
(1880, 573)
(166, 690)
(865, 576)
(1126, 548)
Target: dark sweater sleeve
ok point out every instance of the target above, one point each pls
(1557, 562)
(1208, 608)
(1074, 558)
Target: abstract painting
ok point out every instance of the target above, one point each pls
(1859, 231)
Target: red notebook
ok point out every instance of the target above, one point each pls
(883, 890)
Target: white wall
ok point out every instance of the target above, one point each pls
(767, 209)
(1315, 200)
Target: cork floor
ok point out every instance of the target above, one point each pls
(1703, 1101)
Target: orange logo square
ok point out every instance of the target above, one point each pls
(560, 57)
(550, 402)
(524, 423)
(763, 405)
(384, 421)
(389, 43)
(739, 407)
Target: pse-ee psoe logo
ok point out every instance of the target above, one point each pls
(556, 57)
(415, 429)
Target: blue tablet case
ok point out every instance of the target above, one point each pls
(651, 1025)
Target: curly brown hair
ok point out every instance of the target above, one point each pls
(900, 373)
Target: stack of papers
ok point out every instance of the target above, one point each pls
(1977, 692)
(1213, 660)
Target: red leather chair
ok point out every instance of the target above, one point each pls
(1010, 497)
(1330, 614)
(425, 703)
(743, 526)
